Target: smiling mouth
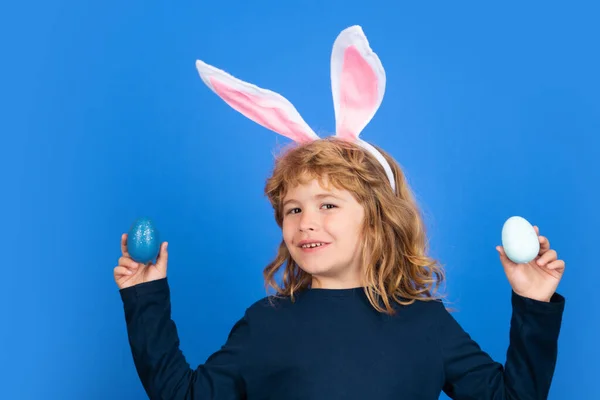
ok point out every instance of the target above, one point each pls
(310, 247)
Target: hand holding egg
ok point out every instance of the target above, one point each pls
(532, 268)
(138, 248)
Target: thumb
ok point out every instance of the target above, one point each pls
(503, 258)
(501, 252)
(163, 257)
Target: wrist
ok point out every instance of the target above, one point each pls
(535, 296)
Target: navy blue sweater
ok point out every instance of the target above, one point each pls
(332, 344)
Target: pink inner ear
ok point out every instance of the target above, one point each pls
(358, 94)
(271, 118)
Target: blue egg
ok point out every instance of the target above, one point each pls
(143, 242)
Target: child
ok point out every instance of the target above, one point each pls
(357, 314)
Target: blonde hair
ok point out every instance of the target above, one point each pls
(395, 264)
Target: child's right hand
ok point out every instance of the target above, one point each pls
(130, 273)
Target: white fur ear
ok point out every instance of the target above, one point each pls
(262, 106)
(357, 82)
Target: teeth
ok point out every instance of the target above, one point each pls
(305, 246)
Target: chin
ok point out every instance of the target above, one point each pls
(319, 270)
(315, 271)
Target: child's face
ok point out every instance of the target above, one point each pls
(332, 217)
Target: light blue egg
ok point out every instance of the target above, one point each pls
(521, 243)
(143, 241)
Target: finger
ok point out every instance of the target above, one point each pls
(163, 257)
(556, 265)
(544, 244)
(127, 262)
(124, 245)
(544, 270)
(121, 271)
(547, 257)
(536, 229)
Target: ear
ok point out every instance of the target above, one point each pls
(262, 106)
(357, 82)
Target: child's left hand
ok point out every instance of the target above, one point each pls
(537, 279)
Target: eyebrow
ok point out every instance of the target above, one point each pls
(317, 196)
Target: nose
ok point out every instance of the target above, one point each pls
(308, 221)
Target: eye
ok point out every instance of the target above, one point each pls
(329, 206)
(293, 211)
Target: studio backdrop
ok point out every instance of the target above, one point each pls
(491, 110)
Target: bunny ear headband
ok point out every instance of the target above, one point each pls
(357, 83)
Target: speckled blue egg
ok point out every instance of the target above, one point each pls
(143, 242)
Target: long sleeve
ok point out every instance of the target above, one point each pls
(160, 364)
(531, 357)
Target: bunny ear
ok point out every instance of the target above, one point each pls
(357, 82)
(262, 106)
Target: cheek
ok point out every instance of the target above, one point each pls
(287, 232)
(345, 229)
(353, 231)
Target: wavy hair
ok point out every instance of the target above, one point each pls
(394, 257)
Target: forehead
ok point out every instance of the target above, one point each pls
(310, 186)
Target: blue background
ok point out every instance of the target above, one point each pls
(493, 111)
